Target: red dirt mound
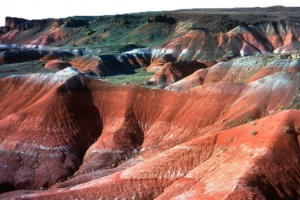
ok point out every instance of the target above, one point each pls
(43, 146)
(105, 65)
(173, 72)
(57, 64)
(56, 55)
(195, 79)
(136, 60)
(159, 59)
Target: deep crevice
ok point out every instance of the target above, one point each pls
(6, 187)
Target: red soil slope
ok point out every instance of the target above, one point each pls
(107, 65)
(190, 35)
(57, 64)
(34, 151)
(53, 35)
(245, 69)
(243, 40)
(181, 145)
(56, 55)
(173, 72)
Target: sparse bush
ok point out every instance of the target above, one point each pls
(287, 129)
(249, 119)
(271, 112)
(253, 132)
(223, 149)
(253, 123)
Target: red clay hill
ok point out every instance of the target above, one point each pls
(225, 126)
(79, 137)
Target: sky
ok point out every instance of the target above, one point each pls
(41, 9)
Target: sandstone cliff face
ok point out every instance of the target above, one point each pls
(11, 23)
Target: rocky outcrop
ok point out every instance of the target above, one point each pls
(162, 18)
(12, 22)
(57, 23)
(75, 23)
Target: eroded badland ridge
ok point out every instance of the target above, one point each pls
(204, 105)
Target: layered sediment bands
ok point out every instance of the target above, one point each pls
(101, 65)
(52, 36)
(197, 44)
(223, 128)
(277, 65)
(251, 155)
(107, 65)
(245, 69)
(244, 40)
(87, 129)
(46, 142)
(277, 37)
(136, 60)
(186, 35)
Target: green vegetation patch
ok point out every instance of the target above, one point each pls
(139, 77)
